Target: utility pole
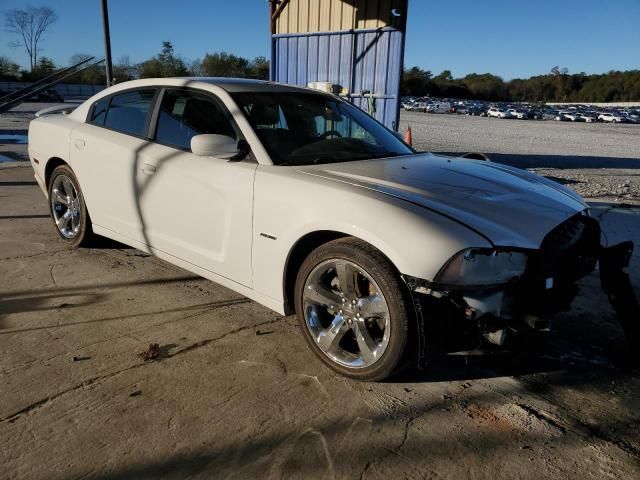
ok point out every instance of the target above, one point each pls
(107, 42)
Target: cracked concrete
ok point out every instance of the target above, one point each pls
(235, 392)
(90, 381)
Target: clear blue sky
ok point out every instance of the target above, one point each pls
(511, 38)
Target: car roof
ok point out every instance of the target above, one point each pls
(230, 84)
(248, 84)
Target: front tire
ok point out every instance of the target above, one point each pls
(67, 208)
(352, 309)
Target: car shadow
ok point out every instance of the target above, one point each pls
(71, 300)
(18, 183)
(104, 243)
(573, 361)
(24, 217)
(579, 343)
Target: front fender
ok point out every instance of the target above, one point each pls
(289, 205)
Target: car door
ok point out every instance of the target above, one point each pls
(196, 208)
(106, 154)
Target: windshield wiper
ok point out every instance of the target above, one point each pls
(314, 161)
(384, 155)
(324, 159)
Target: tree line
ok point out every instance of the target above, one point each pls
(165, 64)
(556, 86)
(30, 24)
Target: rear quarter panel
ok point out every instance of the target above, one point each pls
(49, 138)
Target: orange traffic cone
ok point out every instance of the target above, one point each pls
(407, 136)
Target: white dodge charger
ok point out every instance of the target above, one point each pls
(305, 204)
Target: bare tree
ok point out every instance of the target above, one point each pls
(29, 25)
(79, 57)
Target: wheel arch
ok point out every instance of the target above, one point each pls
(52, 164)
(301, 250)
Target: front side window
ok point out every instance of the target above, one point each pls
(128, 111)
(184, 114)
(299, 128)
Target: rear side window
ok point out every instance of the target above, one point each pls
(100, 111)
(128, 111)
(184, 114)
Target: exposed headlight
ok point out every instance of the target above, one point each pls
(476, 266)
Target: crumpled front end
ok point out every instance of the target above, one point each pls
(491, 313)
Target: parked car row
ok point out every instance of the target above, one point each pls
(428, 107)
(523, 111)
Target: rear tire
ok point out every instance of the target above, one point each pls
(67, 208)
(352, 309)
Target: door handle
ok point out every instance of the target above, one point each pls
(79, 143)
(148, 169)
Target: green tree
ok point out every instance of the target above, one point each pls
(417, 82)
(44, 67)
(445, 76)
(9, 70)
(447, 86)
(558, 85)
(259, 68)
(225, 65)
(485, 86)
(165, 64)
(151, 69)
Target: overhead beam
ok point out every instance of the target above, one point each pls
(276, 13)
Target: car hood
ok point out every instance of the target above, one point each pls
(509, 206)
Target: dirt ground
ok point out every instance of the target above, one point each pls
(235, 393)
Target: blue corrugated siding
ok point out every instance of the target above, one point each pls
(302, 59)
(356, 60)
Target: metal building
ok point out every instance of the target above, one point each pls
(356, 44)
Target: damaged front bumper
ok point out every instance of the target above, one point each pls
(469, 317)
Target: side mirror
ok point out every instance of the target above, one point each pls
(213, 145)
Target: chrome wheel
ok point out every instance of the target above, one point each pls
(346, 313)
(65, 206)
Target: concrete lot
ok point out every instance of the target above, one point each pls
(235, 393)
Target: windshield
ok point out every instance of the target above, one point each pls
(308, 128)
